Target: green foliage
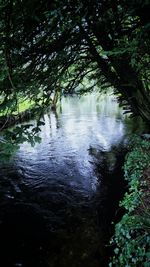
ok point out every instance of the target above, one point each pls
(12, 138)
(7, 150)
(71, 47)
(66, 47)
(132, 233)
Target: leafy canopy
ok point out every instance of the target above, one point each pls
(57, 46)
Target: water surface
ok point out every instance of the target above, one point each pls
(58, 198)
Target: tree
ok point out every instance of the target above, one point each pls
(48, 47)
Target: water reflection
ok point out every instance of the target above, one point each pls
(63, 153)
(57, 198)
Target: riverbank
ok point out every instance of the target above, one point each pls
(132, 234)
(26, 112)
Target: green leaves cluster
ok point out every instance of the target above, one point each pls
(66, 47)
(71, 47)
(13, 137)
(132, 233)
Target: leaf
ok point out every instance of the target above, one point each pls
(36, 130)
(37, 139)
(40, 123)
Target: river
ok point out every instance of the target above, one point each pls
(58, 198)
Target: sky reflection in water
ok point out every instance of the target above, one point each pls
(63, 155)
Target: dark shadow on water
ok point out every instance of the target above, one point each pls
(111, 189)
(50, 215)
(44, 230)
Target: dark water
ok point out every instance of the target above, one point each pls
(58, 198)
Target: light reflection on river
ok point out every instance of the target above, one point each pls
(63, 155)
(56, 192)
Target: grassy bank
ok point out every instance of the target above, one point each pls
(132, 234)
(12, 133)
(22, 106)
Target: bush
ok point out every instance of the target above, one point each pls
(132, 233)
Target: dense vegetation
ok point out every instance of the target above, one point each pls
(132, 233)
(55, 46)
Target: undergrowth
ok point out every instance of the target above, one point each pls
(132, 233)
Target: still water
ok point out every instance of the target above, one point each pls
(57, 199)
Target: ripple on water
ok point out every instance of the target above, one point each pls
(53, 209)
